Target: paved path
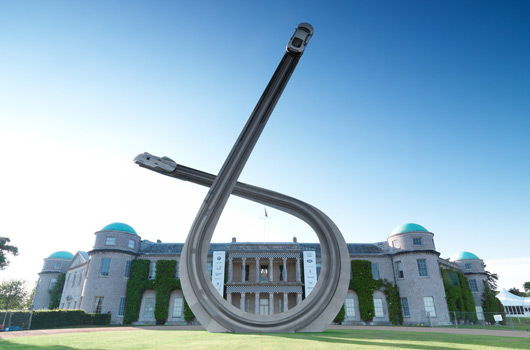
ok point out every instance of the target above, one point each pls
(501, 333)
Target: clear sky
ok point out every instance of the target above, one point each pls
(409, 111)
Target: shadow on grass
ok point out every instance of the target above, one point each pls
(9, 345)
(372, 339)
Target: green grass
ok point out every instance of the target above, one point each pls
(330, 339)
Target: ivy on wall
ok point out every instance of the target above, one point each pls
(164, 283)
(56, 292)
(459, 296)
(136, 286)
(364, 285)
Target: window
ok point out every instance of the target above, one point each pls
(416, 241)
(152, 270)
(131, 243)
(264, 307)
(378, 307)
(127, 273)
(422, 268)
(375, 271)
(110, 241)
(395, 244)
(121, 308)
(80, 278)
(428, 302)
(247, 272)
(349, 307)
(280, 305)
(149, 308)
(58, 265)
(177, 307)
(264, 274)
(480, 313)
(75, 304)
(53, 282)
(405, 307)
(399, 270)
(105, 267)
(73, 280)
(468, 266)
(247, 305)
(281, 273)
(473, 285)
(98, 303)
(319, 267)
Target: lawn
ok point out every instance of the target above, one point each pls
(330, 339)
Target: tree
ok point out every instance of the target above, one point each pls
(491, 305)
(492, 278)
(13, 294)
(56, 292)
(29, 300)
(516, 291)
(5, 248)
(526, 287)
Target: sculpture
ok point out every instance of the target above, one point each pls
(317, 311)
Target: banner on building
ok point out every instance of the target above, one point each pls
(218, 270)
(310, 271)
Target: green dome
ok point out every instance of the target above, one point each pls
(408, 228)
(120, 227)
(62, 255)
(463, 256)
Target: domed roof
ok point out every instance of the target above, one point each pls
(62, 255)
(120, 227)
(463, 256)
(410, 227)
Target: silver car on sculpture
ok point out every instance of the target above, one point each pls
(300, 38)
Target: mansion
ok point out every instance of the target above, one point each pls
(260, 278)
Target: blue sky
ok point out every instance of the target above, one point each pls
(398, 112)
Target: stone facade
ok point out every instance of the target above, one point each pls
(261, 278)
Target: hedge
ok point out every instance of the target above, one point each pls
(45, 319)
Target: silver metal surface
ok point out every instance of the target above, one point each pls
(317, 311)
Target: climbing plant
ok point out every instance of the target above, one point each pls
(364, 285)
(459, 296)
(393, 300)
(164, 283)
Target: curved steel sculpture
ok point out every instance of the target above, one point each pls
(317, 311)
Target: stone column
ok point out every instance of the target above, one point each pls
(285, 302)
(271, 266)
(284, 272)
(242, 303)
(229, 298)
(297, 269)
(243, 262)
(257, 270)
(298, 298)
(230, 269)
(271, 303)
(256, 303)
